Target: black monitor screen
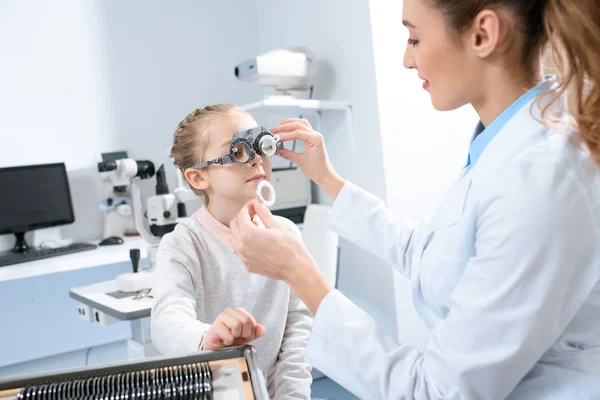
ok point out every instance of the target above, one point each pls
(35, 196)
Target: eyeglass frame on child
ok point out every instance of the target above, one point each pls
(251, 139)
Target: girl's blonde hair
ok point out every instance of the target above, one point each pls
(191, 137)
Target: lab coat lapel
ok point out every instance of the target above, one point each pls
(520, 129)
(524, 127)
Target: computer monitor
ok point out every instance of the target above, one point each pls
(34, 197)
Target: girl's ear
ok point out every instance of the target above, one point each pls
(196, 178)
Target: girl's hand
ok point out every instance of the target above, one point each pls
(233, 327)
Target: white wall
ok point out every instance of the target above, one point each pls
(339, 33)
(55, 97)
(82, 77)
(423, 149)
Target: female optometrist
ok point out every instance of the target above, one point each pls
(506, 275)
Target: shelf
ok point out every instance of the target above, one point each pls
(286, 103)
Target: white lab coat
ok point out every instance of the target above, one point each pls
(506, 276)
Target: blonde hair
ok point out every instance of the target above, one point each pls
(191, 137)
(571, 29)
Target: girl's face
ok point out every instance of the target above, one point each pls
(449, 72)
(232, 184)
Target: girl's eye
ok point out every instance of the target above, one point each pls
(413, 42)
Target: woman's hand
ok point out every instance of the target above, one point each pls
(265, 247)
(270, 250)
(314, 161)
(233, 327)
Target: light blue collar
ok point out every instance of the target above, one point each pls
(484, 135)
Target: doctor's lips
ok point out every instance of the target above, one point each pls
(257, 177)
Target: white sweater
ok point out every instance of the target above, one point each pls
(199, 276)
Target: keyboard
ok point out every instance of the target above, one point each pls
(10, 258)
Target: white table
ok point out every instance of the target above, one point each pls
(102, 255)
(102, 303)
(121, 306)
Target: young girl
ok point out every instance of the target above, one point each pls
(204, 297)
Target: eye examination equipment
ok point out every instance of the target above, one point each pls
(228, 374)
(245, 145)
(120, 176)
(35, 197)
(164, 211)
(283, 69)
(116, 170)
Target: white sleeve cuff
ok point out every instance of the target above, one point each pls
(341, 205)
(328, 312)
(192, 336)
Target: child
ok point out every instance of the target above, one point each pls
(204, 297)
